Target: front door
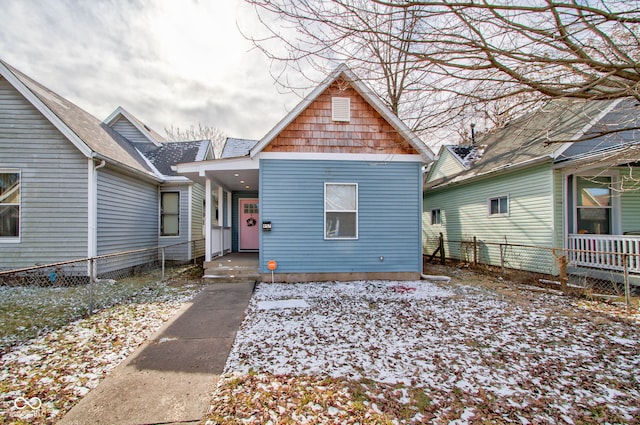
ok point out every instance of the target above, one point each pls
(249, 225)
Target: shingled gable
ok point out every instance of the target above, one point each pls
(91, 137)
(373, 129)
(149, 133)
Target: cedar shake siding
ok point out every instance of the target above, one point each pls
(314, 130)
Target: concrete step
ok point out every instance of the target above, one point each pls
(232, 268)
(224, 274)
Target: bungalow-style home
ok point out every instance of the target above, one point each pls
(564, 176)
(333, 191)
(73, 187)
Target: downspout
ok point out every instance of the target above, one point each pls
(92, 207)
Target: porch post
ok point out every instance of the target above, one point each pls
(229, 209)
(207, 219)
(221, 217)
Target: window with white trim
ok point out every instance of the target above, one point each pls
(9, 204)
(169, 213)
(341, 210)
(499, 206)
(436, 216)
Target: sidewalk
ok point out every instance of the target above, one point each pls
(169, 378)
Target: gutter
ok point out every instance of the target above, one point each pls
(490, 173)
(598, 156)
(131, 170)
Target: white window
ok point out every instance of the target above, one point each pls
(499, 206)
(9, 205)
(341, 109)
(169, 213)
(436, 217)
(341, 210)
(594, 206)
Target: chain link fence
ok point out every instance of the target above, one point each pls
(586, 272)
(36, 299)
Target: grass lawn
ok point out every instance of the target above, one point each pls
(26, 312)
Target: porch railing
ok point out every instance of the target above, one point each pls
(220, 240)
(605, 251)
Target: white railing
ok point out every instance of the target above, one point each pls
(605, 251)
(220, 240)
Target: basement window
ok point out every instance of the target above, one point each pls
(341, 109)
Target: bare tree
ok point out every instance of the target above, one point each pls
(201, 132)
(438, 62)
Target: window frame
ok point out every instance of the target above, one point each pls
(163, 214)
(613, 207)
(436, 216)
(356, 212)
(498, 214)
(14, 239)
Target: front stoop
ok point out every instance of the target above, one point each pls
(233, 268)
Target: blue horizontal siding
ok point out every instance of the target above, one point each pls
(389, 198)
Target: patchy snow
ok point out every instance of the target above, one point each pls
(280, 304)
(62, 366)
(368, 352)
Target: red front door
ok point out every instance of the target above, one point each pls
(249, 225)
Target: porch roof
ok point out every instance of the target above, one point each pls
(235, 174)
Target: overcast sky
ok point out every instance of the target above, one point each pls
(168, 62)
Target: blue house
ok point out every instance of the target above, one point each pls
(332, 192)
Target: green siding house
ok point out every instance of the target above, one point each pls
(564, 176)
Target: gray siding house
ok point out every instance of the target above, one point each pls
(73, 187)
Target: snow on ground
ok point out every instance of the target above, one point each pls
(62, 366)
(419, 352)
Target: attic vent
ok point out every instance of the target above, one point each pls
(341, 109)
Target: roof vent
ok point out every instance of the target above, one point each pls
(341, 109)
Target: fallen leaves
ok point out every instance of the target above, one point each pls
(363, 352)
(62, 366)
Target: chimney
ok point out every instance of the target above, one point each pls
(473, 134)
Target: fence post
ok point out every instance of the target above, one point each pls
(563, 273)
(442, 256)
(92, 279)
(627, 288)
(475, 251)
(501, 260)
(162, 250)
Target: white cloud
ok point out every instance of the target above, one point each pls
(167, 62)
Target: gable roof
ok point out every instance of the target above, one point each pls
(544, 135)
(92, 137)
(149, 133)
(371, 98)
(170, 154)
(237, 147)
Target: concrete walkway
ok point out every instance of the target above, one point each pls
(169, 378)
